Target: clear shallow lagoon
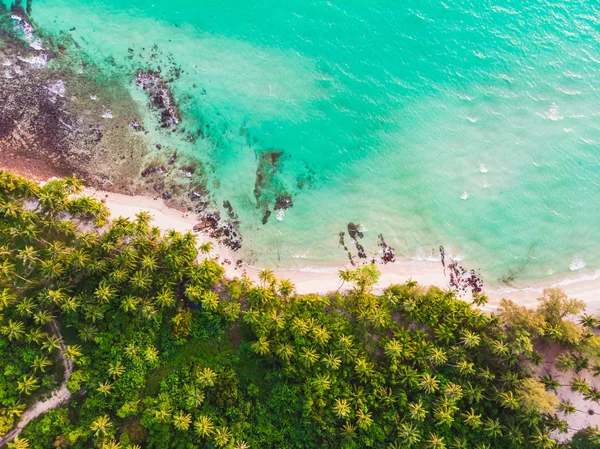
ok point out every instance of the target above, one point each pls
(474, 125)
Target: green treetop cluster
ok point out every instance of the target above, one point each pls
(169, 354)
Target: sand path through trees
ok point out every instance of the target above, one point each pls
(57, 398)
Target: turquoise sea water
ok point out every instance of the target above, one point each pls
(469, 124)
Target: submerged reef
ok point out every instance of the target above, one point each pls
(60, 111)
(267, 188)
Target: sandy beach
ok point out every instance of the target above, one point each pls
(582, 285)
(585, 287)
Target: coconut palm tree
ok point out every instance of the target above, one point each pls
(39, 363)
(182, 420)
(262, 346)
(101, 425)
(593, 394)
(87, 332)
(163, 412)
(363, 368)
(472, 419)
(165, 298)
(409, 433)
(499, 348)
(25, 308)
(207, 377)
(492, 427)
(285, 288)
(508, 400)
(394, 349)
(149, 263)
(18, 443)
(348, 430)
(222, 436)
(73, 352)
(408, 377)
(470, 340)
(588, 321)
(321, 335)
(342, 408)
(28, 384)
(417, 411)
(435, 442)
(206, 247)
(42, 317)
(542, 440)
(309, 356)
(141, 281)
(15, 410)
(7, 297)
(285, 351)
(194, 397)
(549, 382)
(210, 301)
(105, 293)
(580, 385)
(321, 383)
(437, 357)
(14, 330)
(429, 384)
(565, 362)
(116, 369)
(332, 361)
(36, 335)
(453, 391)
(51, 343)
(444, 415)
(204, 426)
(364, 419)
(267, 278)
(105, 388)
(514, 434)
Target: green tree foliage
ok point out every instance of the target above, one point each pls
(169, 354)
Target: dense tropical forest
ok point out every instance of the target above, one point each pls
(167, 353)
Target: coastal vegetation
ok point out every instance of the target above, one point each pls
(168, 353)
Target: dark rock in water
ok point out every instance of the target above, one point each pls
(173, 158)
(229, 208)
(362, 254)
(266, 187)
(351, 258)
(388, 251)
(268, 165)
(342, 234)
(188, 172)
(354, 232)
(266, 216)
(443, 257)
(284, 201)
(160, 96)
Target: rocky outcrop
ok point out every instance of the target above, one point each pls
(160, 96)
